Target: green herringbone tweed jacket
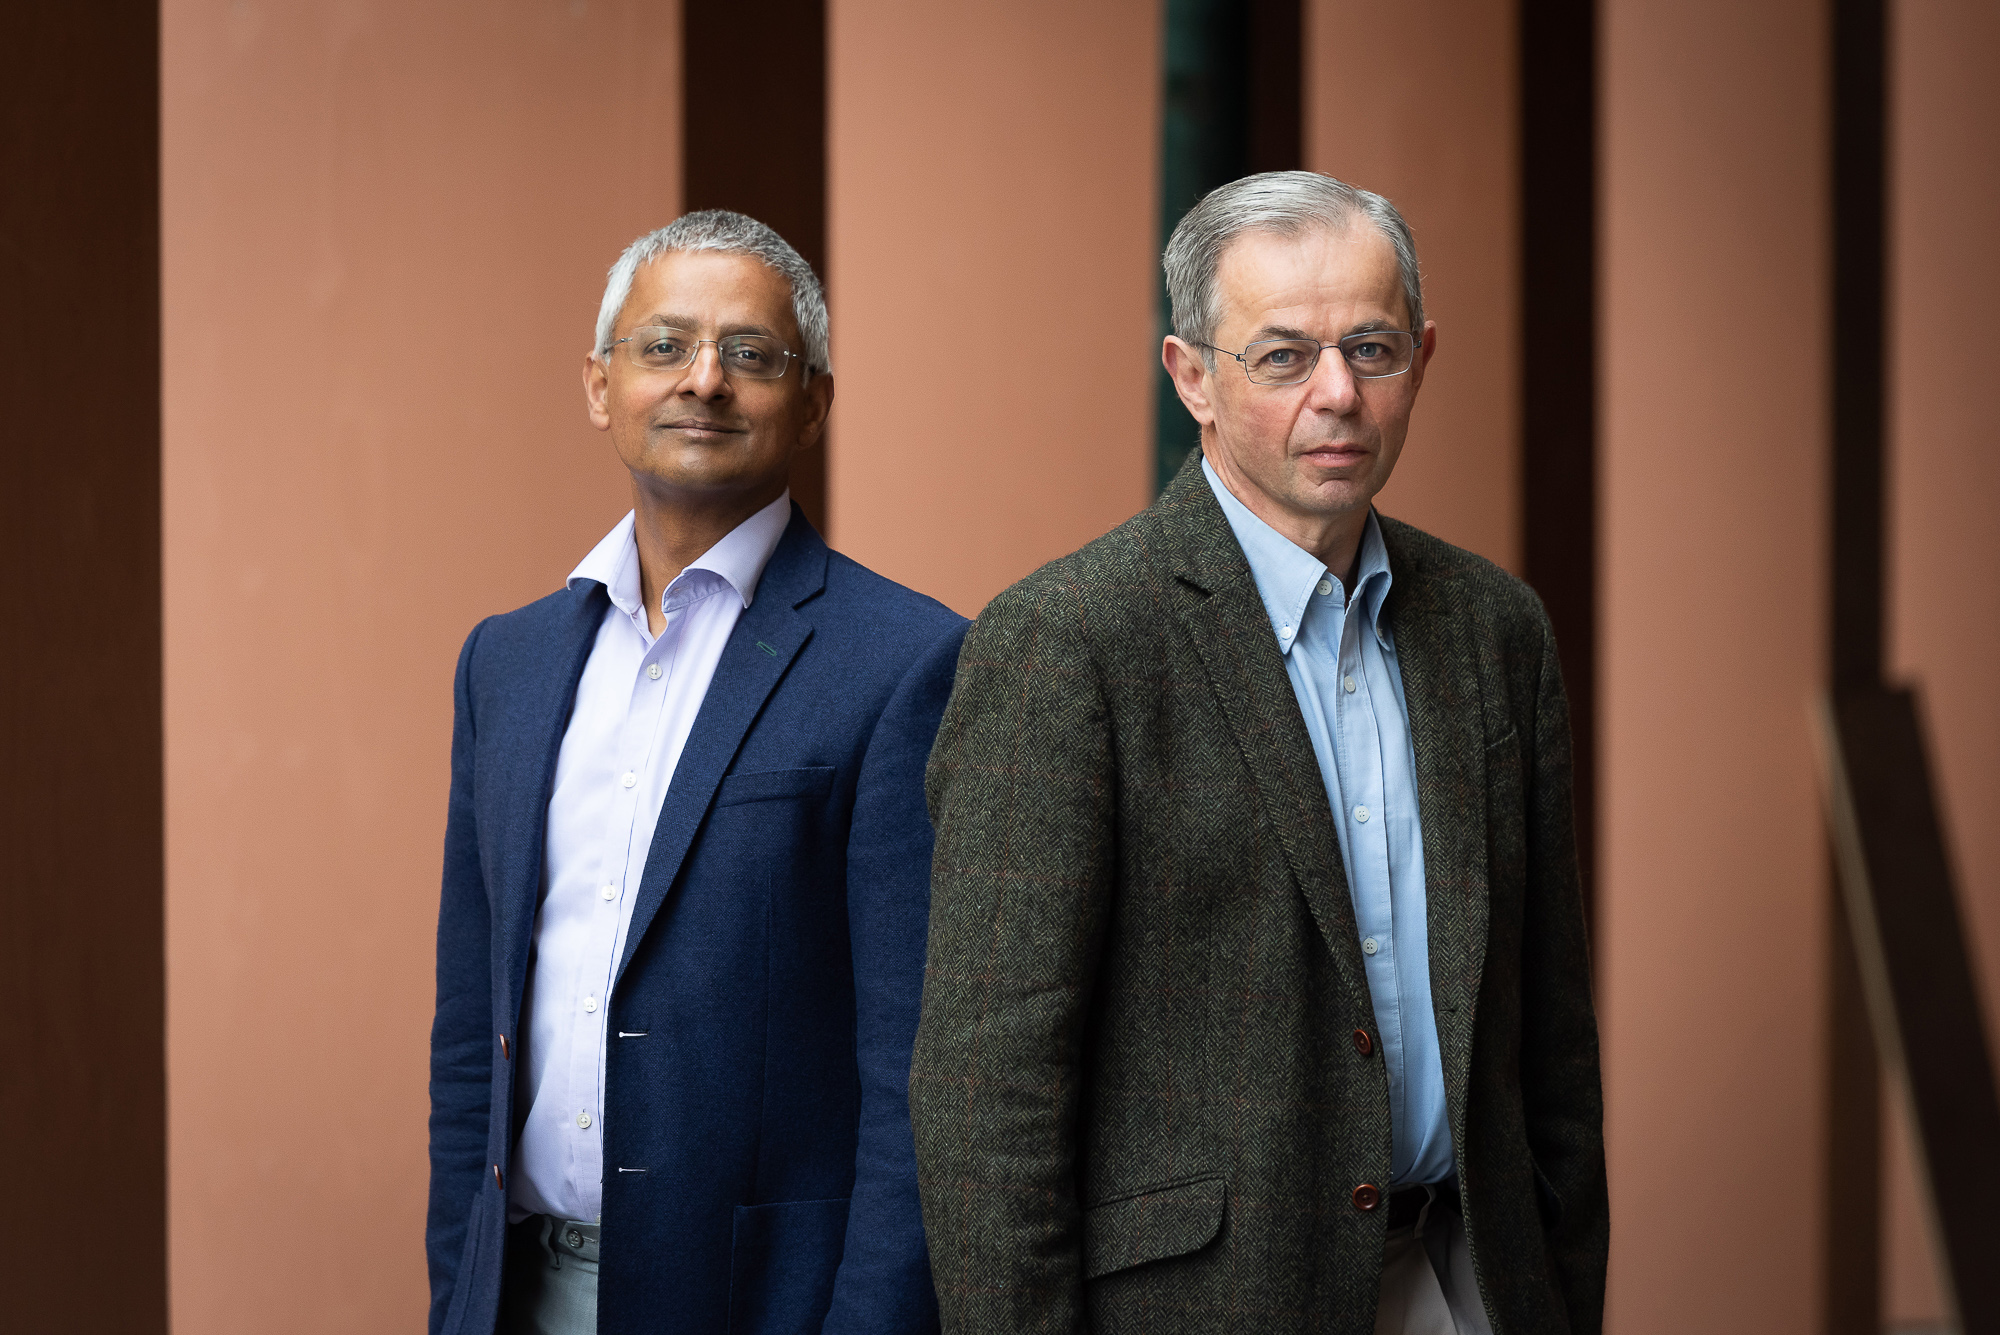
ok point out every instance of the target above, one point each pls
(1137, 1102)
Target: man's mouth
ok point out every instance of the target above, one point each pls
(701, 426)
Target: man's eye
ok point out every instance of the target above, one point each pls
(1281, 356)
(1368, 351)
(748, 356)
(664, 347)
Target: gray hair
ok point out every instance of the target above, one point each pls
(730, 234)
(1288, 204)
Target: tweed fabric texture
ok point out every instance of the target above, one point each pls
(1136, 1099)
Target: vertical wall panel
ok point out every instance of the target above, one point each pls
(1713, 895)
(386, 231)
(82, 1078)
(1419, 103)
(992, 228)
(1944, 486)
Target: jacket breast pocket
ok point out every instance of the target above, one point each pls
(1152, 1225)
(771, 785)
(782, 1264)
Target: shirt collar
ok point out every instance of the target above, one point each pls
(739, 558)
(1287, 575)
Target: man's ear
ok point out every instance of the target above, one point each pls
(596, 384)
(819, 402)
(1190, 376)
(1426, 348)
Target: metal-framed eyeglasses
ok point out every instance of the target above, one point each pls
(1372, 354)
(658, 347)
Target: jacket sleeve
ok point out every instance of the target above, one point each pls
(461, 1037)
(1560, 1084)
(1020, 788)
(884, 1283)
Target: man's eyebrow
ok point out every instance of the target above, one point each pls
(1271, 331)
(690, 322)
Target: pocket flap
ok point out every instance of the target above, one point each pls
(769, 784)
(1152, 1225)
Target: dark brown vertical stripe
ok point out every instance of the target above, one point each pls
(1558, 74)
(1273, 91)
(82, 1005)
(1852, 1244)
(772, 73)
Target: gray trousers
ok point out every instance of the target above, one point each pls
(551, 1278)
(1428, 1287)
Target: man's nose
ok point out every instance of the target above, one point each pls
(1332, 386)
(704, 374)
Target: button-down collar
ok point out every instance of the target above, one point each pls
(1288, 576)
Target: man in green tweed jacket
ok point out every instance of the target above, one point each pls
(1258, 996)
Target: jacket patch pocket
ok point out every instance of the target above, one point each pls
(782, 1265)
(1152, 1225)
(772, 784)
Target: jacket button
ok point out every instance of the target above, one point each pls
(1362, 1043)
(503, 1048)
(497, 1182)
(1367, 1196)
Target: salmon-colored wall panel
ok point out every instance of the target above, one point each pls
(993, 228)
(1420, 103)
(1712, 904)
(1944, 482)
(386, 230)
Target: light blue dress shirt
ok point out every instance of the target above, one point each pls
(1350, 689)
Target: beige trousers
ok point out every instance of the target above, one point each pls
(1428, 1287)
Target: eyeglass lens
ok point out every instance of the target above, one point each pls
(1370, 355)
(660, 348)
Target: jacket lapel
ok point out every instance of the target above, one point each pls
(768, 636)
(538, 716)
(1447, 731)
(1231, 633)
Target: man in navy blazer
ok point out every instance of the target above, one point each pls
(687, 860)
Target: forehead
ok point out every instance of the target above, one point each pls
(1346, 274)
(711, 288)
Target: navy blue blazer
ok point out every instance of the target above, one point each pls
(758, 1168)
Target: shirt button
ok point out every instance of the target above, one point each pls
(1347, 684)
(653, 671)
(1361, 814)
(582, 1120)
(1369, 945)
(1325, 586)
(574, 1237)
(590, 1005)
(609, 892)
(628, 780)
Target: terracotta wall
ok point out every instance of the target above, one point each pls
(386, 228)
(1714, 495)
(992, 197)
(1419, 103)
(1944, 483)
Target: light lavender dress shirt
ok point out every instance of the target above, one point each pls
(635, 705)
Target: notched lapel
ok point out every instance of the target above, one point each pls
(1231, 633)
(1447, 731)
(538, 716)
(768, 636)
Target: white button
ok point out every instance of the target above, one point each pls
(590, 1004)
(1347, 684)
(609, 892)
(1326, 586)
(1368, 946)
(629, 779)
(1285, 631)
(1361, 814)
(653, 671)
(582, 1120)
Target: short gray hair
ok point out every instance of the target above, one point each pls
(1288, 204)
(731, 234)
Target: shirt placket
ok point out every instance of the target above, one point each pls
(1363, 788)
(592, 1002)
